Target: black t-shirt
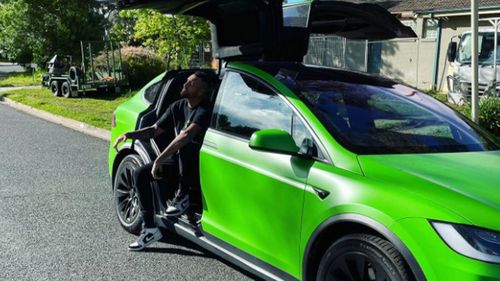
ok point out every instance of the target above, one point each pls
(178, 117)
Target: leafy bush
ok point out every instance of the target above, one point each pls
(140, 65)
(489, 117)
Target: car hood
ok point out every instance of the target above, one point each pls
(465, 183)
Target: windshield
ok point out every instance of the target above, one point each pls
(485, 47)
(376, 119)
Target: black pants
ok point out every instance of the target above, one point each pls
(143, 180)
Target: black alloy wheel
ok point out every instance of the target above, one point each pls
(55, 88)
(66, 90)
(126, 200)
(362, 257)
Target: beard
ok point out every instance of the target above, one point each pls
(184, 93)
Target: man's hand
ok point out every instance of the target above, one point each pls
(120, 139)
(155, 171)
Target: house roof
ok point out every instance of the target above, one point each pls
(395, 6)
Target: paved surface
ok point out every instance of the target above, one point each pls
(9, 67)
(57, 221)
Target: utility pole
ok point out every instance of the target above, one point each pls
(474, 64)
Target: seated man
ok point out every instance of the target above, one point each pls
(189, 118)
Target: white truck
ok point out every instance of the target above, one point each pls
(459, 56)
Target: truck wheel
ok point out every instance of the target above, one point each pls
(66, 90)
(362, 257)
(54, 87)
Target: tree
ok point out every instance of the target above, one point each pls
(174, 38)
(35, 30)
(14, 35)
(122, 27)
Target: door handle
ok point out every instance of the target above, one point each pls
(210, 144)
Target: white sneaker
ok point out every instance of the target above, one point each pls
(178, 206)
(148, 236)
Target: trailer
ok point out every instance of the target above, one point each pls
(100, 69)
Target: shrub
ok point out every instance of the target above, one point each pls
(140, 65)
(489, 117)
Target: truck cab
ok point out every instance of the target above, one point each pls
(460, 56)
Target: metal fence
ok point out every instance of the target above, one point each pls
(334, 51)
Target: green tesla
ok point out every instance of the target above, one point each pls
(314, 173)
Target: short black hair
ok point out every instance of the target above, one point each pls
(208, 77)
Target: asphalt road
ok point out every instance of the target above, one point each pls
(6, 68)
(57, 221)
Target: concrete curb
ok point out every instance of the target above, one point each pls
(66, 122)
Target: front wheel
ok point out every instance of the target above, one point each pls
(55, 88)
(362, 257)
(126, 201)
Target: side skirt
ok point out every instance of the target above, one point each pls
(224, 250)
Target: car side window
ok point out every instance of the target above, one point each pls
(246, 105)
(152, 91)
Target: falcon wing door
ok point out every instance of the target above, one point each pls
(249, 29)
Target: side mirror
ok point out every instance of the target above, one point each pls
(274, 140)
(452, 51)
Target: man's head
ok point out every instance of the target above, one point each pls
(197, 85)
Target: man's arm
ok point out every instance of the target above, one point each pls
(183, 138)
(142, 134)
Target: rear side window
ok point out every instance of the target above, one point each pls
(152, 91)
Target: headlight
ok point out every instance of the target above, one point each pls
(473, 242)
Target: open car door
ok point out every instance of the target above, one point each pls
(353, 21)
(240, 28)
(264, 30)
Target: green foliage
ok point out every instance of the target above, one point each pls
(173, 38)
(437, 95)
(35, 30)
(21, 79)
(122, 29)
(489, 117)
(140, 65)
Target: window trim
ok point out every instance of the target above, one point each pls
(326, 157)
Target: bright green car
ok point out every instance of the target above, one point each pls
(312, 173)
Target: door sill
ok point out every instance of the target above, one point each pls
(183, 227)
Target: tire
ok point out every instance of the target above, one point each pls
(66, 90)
(125, 196)
(74, 74)
(55, 88)
(362, 257)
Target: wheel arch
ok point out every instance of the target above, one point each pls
(337, 226)
(127, 149)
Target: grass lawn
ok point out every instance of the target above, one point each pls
(21, 79)
(94, 109)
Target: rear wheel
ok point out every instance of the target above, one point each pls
(55, 88)
(126, 200)
(66, 90)
(362, 257)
